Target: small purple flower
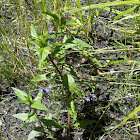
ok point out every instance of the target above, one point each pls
(26, 49)
(93, 96)
(87, 99)
(50, 86)
(47, 90)
(36, 122)
(41, 90)
(128, 98)
(52, 40)
(31, 48)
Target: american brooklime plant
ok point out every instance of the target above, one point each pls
(51, 50)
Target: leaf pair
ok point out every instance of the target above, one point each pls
(36, 103)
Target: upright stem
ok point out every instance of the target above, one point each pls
(69, 93)
(68, 125)
(51, 59)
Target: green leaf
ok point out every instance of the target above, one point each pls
(45, 33)
(56, 50)
(40, 66)
(25, 98)
(73, 112)
(65, 81)
(31, 118)
(72, 86)
(84, 123)
(54, 16)
(21, 116)
(48, 116)
(32, 114)
(97, 62)
(72, 72)
(81, 43)
(34, 32)
(50, 123)
(116, 62)
(38, 97)
(42, 38)
(39, 78)
(125, 18)
(69, 40)
(70, 22)
(69, 83)
(22, 101)
(28, 118)
(102, 5)
(36, 42)
(21, 94)
(25, 125)
(62, 21)
(43, 53)
(32, 134)
(125, 12)
(39, 105)
(128, 117)
(39, 129)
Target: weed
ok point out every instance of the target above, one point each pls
(55, 50)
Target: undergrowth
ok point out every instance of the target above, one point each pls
(52, 47)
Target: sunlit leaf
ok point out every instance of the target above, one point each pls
(125, 12)
(127, 17)
(38, 97)
(22, 101)
(21, 116)
(102, 5)
(54, 16)
(21, 94)
(43, 53)
(39, 78)
(73, 111)
(34, 32)
(128, 117)
(72, 86)
(81, 43)
(32, 134)
(39, 105)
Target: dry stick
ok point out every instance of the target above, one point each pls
(69, 93)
